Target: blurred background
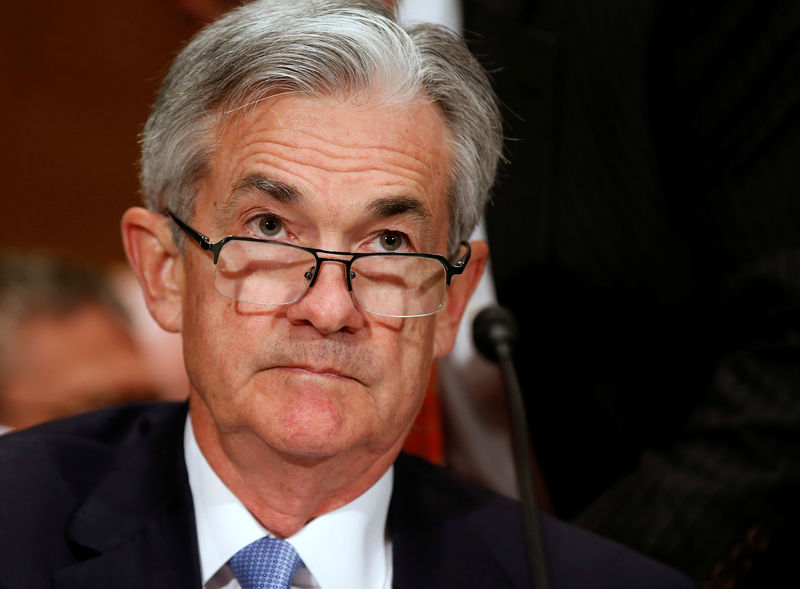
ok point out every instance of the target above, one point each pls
(77, 80)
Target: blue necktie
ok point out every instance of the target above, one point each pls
(268, 563)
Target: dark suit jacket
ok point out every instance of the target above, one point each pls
(646, 234)
(103, 500)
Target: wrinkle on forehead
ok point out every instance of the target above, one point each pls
(303, 123)
(338, 156)
(242, 120)
(272, 150)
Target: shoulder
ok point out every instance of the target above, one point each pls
(429, 500)
(578, 558)
(74, 488)
(89, 435)
(53, 465)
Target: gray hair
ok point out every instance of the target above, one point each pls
(319, 48)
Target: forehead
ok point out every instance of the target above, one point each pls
(333, 155)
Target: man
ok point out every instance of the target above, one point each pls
(65, 342)
(310, 169)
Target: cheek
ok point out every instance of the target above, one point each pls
(212, 338)
(409, 360)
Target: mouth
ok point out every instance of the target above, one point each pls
(320, 359)
(323, 371)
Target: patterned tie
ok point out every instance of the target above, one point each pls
(268, 563)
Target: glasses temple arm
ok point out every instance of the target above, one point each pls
(203, 240)
(460, 264)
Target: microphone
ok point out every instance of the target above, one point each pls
(494, 331)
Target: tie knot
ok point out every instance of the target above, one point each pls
(268, 563)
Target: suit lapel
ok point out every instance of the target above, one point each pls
(433, 528)
(137, 528)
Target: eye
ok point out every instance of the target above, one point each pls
(270, 226)
(391, 241)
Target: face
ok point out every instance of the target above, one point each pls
(63, 365)
(320, 376)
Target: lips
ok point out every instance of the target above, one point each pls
(322, 371)
(323, 358)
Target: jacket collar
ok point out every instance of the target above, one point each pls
(448, 534)
(136, 528)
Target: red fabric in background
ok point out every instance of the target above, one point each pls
(426, 438)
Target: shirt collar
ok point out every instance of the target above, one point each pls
(345, 548)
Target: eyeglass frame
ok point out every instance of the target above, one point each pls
(216, 247)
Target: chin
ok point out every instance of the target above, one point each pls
(307, 429)
(310, 447)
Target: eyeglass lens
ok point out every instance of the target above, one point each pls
(265, 273)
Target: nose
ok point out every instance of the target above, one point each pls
(328, 305)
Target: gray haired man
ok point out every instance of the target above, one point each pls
(311, 171)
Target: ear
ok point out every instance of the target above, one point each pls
(458, 295)
(157, 263)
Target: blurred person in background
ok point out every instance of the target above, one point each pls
(65, 341)
(161, 351)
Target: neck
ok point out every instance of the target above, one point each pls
(283, 491)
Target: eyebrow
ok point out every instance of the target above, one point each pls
(385, 208)
(382, 208)
(270, 189)
(274, 189)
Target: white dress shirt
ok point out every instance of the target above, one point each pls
(343, 549)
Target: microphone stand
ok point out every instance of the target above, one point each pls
(494, 331)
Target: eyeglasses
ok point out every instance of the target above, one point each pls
(266, 272)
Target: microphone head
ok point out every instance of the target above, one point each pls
(494, 331)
